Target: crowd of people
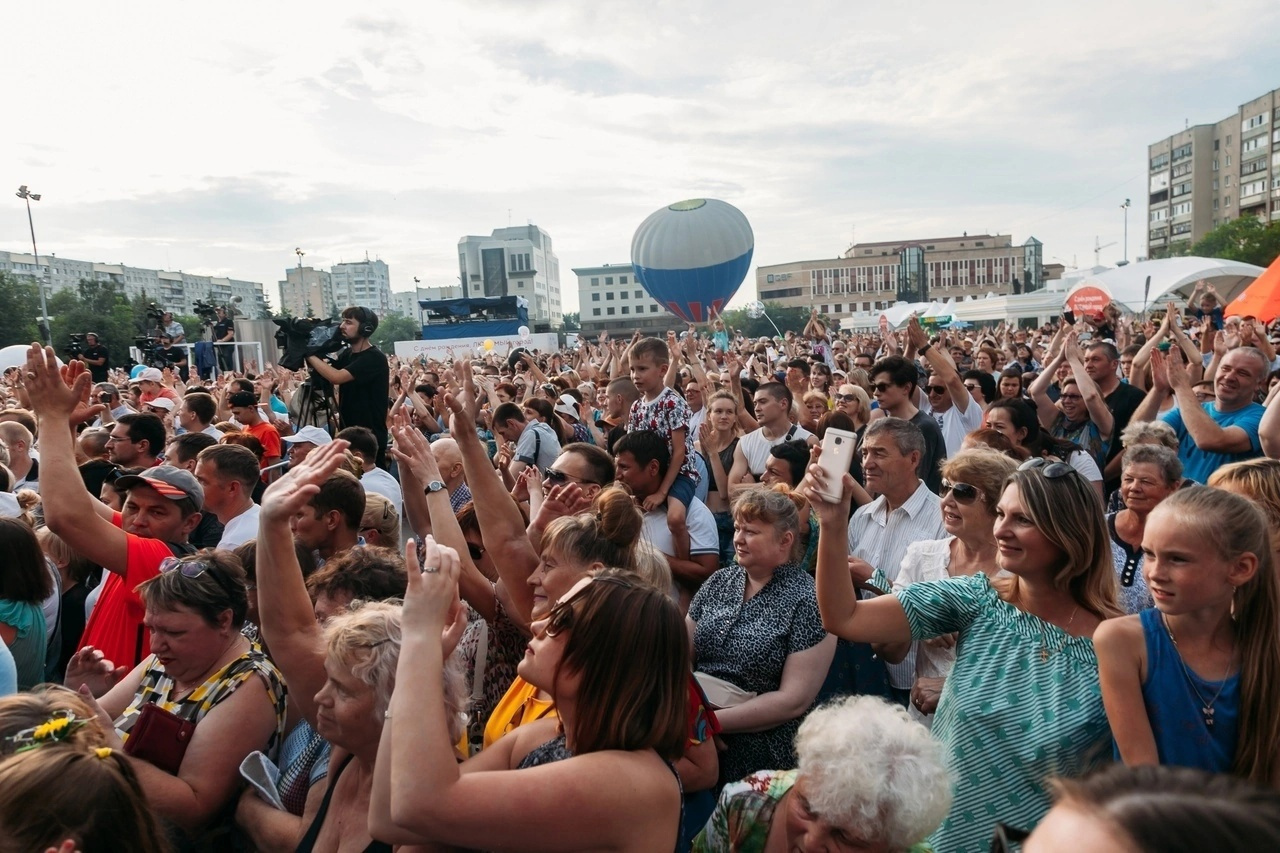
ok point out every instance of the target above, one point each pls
(913, 590)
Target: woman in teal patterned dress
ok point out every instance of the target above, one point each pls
(1023, 702)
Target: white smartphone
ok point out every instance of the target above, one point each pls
(837, 455)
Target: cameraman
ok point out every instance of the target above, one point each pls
(363, 374)
(172, 328)
(95, 355)
(224, 340)
(174, 355)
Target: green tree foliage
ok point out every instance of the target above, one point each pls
(395, 327)
(787, 319)
(101, 307)
(19, 308)
(1246, 238)
(572, 321)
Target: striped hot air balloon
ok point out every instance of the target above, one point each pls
(693, 255)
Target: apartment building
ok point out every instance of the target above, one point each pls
(173, 291)
(515, 261)
(307, 292)
(365, 283)
(1208, 174)
(872, 276)
(610, 299)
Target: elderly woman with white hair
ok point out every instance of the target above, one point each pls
(869, 778)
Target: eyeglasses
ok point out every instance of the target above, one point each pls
(973, 387)
(846, 398)
(1052, 470)
(1005, 836)
(114, 474)
(194, 569)
(881, 387)
(1070, 397)
(562, 615)
(963, 492)
(935, 389)
(117, 439)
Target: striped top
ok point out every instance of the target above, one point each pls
(1009, 718)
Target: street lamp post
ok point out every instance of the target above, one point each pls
(28, 196)
(1125, 207)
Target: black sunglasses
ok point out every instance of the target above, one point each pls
(963, 492)
(935, 389)
(1005, 837)
(881, 387)
(1051, 469)
(560, 477)
(846, 398)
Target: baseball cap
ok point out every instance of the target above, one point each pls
(568, 406)
(311, 434)
(150, 374)
(241, 399)
(160, 403)
(174, 483)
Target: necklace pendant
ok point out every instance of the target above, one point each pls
(1208, 716)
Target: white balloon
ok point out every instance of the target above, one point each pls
(523, 331)
(755, 310)
(14, 356)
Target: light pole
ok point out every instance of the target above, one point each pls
(28, 196)
(1125, 207)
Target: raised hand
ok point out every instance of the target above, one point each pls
(1159, 372)
(289, 494)
(916, 335)
(55, 392)
(413, 452)
(89, 668)
(431, 598)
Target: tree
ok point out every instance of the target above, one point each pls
(19, 308)
(1247, 239)
(572, 321)
(787, 319)
(395, 327)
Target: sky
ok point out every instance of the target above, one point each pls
(217, 139)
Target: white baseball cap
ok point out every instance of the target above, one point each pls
(160, 403)
(309, 434)
(150, 374)
(568, 406)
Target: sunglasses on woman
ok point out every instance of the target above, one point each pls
(963, 492)
(194, 569)
(1051, 469)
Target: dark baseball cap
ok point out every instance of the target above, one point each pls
(174, 483)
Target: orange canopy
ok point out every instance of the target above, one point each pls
(1260, 299)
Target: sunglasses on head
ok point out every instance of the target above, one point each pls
(1051, 469)
(193, 569)
(963, 492)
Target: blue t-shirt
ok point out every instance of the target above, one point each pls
(8, 672)
(1198, 464)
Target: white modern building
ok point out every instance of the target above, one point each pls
(610, 299)
(172, 291)
(515, 261)
(365, 283)
(406, 302)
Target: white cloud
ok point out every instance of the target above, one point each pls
(219, 139)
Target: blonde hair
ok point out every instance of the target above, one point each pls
(1234, 526)
(862, 402)
(1068, 512)
(1258, 479)
(776, 505)
(606, 534)
(982, 467)
(651, 567)
(21, 711)
(380, 515)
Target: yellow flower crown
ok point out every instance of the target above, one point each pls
(56, 729)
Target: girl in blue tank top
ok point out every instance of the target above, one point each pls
(1195, 682)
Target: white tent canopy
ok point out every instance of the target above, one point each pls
(1173, 278)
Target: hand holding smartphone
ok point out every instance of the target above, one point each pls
(836, 458)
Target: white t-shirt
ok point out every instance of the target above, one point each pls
(755, 447)
(381, 483)
(240, 529)
(954, 424)
(703, 538)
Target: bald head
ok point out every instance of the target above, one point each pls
(449, 458)
(17, 438)
(93, 442)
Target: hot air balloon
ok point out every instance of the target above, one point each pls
(692, 256)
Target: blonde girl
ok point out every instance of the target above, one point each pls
(1195, 682)
(717, 439)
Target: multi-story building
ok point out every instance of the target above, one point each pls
(872, 276)
(172, 291)
(516, 261)
(610, 299)
(406, 302)
(1208, 174)
(365, 283)
(307, 292)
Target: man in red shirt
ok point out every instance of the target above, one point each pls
(161, 507)
(244, 408)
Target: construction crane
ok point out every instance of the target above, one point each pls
(1097, 250)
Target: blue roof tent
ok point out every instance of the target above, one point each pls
(474, 317)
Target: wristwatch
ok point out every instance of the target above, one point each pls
(435, 486)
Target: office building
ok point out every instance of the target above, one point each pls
(365, 283)
(1208, 174)
(406, 302)
(172, 291)
(872, 276)
(516, 261)
(307, 292)
(610, 299)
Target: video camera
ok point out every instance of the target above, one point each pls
(207, 313)
(154, 312)
(299, 337)
(151, 351)
(76, 347)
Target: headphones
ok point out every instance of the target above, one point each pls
(368, 322)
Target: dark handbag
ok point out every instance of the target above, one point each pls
(160, 738)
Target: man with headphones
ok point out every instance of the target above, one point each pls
(361, 376)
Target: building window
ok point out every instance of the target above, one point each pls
(608, 279)
(595, 312)
(622, 279)
(609, 296)
(609, 311)
(595, 281)
(626, 309)
(595, 297)
(653, 309)
(639, 294)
